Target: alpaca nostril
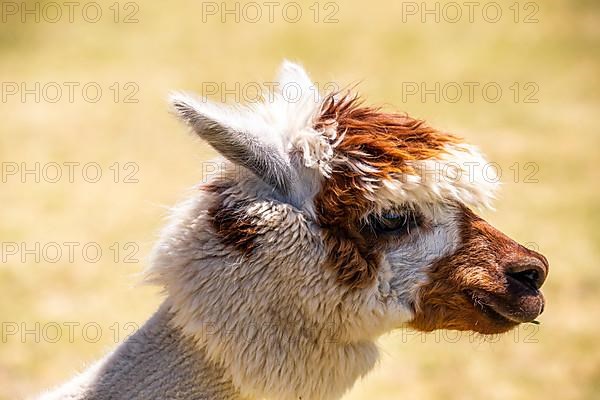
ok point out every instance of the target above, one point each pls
(531, 275)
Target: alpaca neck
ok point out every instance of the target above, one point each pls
(157, 362)
(269, 319)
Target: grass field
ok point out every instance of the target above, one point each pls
(59, 313)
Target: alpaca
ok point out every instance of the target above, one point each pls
(331, 224)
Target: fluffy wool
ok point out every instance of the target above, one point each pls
(277, 278)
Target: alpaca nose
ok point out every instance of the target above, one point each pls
(530, 270)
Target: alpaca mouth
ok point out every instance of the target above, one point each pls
(514, 309)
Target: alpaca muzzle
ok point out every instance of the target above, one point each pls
(525, 271)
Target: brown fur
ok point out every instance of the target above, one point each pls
(479, 265)
(229, 221)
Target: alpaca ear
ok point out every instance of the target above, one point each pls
(230, 132)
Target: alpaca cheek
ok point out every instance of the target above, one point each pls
(413, 262)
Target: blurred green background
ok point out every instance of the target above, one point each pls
(551, 204)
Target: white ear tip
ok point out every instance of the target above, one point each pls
(291, 66)
(293, 72)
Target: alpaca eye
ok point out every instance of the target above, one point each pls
(396, 222)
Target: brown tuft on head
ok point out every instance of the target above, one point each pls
(373, 146)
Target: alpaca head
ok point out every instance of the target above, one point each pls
(332, 217)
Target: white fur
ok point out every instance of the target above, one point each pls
(460, 174)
